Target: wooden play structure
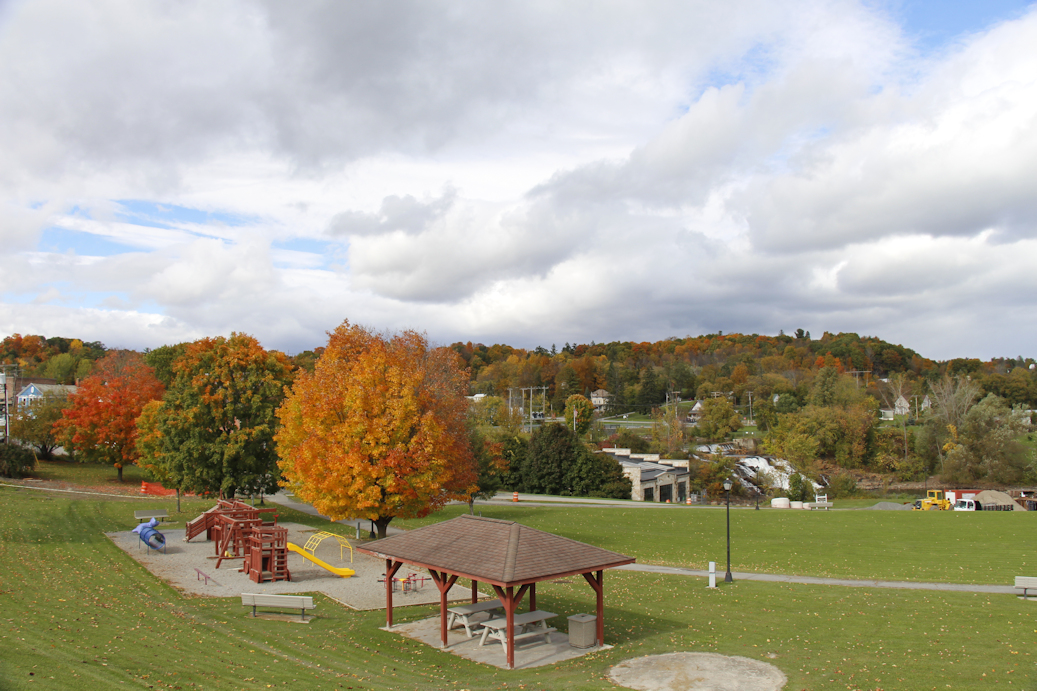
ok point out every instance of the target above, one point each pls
(240, 531)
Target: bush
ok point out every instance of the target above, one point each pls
(841, 486)
(15, 460)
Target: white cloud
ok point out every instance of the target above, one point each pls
(522, 172)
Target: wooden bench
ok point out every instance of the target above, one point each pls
(300, 602)
(148, 515)
(1025, 583)
(465, 612)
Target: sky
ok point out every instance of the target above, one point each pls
(530, 173)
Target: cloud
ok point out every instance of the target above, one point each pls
(523, 172)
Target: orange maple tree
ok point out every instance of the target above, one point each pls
(378, 429)
(100, 422)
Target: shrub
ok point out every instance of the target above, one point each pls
(841, 486)
(15, 460)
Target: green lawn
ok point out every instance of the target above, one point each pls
(948, 546)
(78, 613)
(88, 474)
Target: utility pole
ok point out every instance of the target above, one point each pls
(751, 422)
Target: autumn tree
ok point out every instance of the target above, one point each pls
(214, 429)
(579, 414)
(719, 419)
(378, 430)
(99, 423)
(668, 432)
(34, 425)
(491, 466)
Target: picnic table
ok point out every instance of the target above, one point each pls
(537, 619)
(464, 613)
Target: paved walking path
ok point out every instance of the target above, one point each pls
(812, 580)
(362, 523)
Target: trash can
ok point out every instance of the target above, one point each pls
(583, 630)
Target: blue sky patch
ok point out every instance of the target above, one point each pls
(61, 240)
(147, 213)
(935, 23)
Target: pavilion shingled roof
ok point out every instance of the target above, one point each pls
(494, 551)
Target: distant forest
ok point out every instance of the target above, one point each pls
(638, 376)
(837, 404)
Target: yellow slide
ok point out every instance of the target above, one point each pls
(344, 572)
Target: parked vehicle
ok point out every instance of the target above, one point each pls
(968, 505)
(934, 501)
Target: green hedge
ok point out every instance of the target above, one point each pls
(15, 460)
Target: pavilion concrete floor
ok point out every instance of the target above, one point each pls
(530, 652)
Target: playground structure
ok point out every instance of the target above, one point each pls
(308, 550)
(150, 536)
(240, 531)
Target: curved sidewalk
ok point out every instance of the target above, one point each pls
(812, 580)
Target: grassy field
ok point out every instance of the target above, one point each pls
(954, 547)
(79, 613)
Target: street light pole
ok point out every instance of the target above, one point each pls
(727, 576)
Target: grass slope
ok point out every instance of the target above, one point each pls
(78, 613)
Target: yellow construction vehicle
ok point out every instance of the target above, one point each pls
(934, 501)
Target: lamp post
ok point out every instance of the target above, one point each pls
(727, 489)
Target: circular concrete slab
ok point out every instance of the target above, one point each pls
(697, 672)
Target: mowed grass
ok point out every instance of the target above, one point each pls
(94, 475)
(929, 546)
(77, 612)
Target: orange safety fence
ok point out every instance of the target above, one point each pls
(155, 489)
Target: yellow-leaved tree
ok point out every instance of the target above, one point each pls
(378, 429)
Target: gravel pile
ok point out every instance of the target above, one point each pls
(889, 506)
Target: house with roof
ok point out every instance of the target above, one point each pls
(901, 406)
(661, 480)
(33, 393)
(600, 398)
(695, 413)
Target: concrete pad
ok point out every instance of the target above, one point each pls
(697, 672)
(530, 652)
(177, 566)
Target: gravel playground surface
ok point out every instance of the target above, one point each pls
(177, 566)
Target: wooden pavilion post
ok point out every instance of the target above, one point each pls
(597, 581)
(475, 591)
(511, 601)
(444, 583)
(532, 596)
(390, 570)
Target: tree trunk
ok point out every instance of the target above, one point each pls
(383, 525)
(119, 469)
(471, 506)
(178, 500)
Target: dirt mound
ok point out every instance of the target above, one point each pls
(889, 506)
(703, 671)
(990, 496)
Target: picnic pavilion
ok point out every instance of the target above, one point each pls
(509, 557)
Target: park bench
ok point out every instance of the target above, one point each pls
(148, 515)
(465, 612)
(1025, 583)
(820, 502)
(300, 602)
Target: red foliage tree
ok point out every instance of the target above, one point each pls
(100, 422)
